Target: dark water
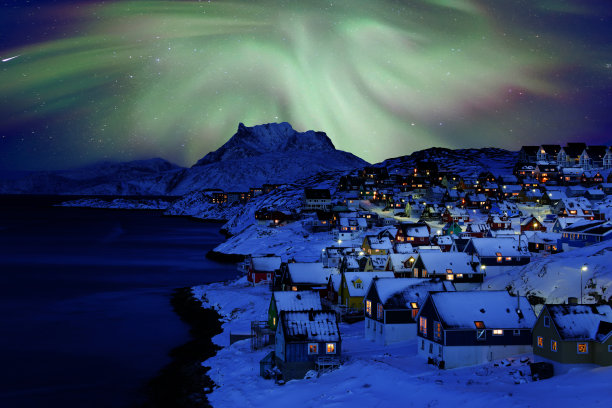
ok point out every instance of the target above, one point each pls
(85, 318)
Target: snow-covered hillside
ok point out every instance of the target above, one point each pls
(557, 277)
(464, 162)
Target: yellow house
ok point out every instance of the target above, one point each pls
(354, 286)
(372, 245)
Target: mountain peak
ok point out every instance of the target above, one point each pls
(268, 138)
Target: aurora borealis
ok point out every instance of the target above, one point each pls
(90, 81)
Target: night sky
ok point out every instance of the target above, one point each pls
(86, 81)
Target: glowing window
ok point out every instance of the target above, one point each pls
(479, 324)
(313, 348)
(498, 332)
(369, 307)
(379, 311)
(330, 348)
(294, 288)
(540, 341)
(553, 345)
(437, 330)
(274, 321)
(582, 348)
(508, 258)
(450, 277)
(423, 325)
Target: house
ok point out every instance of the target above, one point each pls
(457, 215)
(501, 251)
(571, 175)
(302, 338)
(586, 232)
(592, 157)
(445, 242)
(331, 257)
(569, 155)
(532, 223)
(373, 245)
(477, 201)
(499, 222)
(458, 329)
(475, 230)
(415, 234)
(321, 221)
(391, 307)
(544, 242)
(291, 302)
(578, 207)
(458, 267)
(573, 334)
(562, 222)
(403, 248)
(528, 154)
(316, 199)
(237, 197)
(548, 153)
(353, 286)
(452, 228)
(547, 173)
(333, 290)
(262, 268)
(591, 178)
(297, 276)
(401, 264)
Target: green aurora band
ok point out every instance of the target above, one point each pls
(382, 78)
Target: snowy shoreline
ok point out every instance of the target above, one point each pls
(373, 375)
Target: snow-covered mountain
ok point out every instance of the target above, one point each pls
(271, 153)
(464, 162)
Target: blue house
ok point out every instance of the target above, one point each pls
(585, 232)
(305, 339)
(474, 327)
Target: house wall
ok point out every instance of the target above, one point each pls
(467, 337)
(279, 344)
(566, 350)
(461, 356)
(602, 353)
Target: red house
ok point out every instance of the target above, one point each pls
(531, 223)
(499, 222)
(415, 234)
(262, 268)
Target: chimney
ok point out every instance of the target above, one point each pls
(572, 300)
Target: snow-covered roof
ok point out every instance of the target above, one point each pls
(544, 237)
(310, 326)
(506, 245)
(383, 243)
(266, 263)
(400, 262)
(404, 248)
(529, 220)
(401, 291)
(297, 301)
(308, 272)
(335, 281)
(439, 262)
(365, 278)
(496, 309)
(579, 322)
(444, 240)
(379, 261)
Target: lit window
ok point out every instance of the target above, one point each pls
(423, 325)
(540, 341)
(449, 271)
(450, 277)
(294, 288)
(508, 258)
(437, 330)
(274, 321)
(414, 305)
(313, 348)
(379, 311)
(369, 307)
(479, 324)
(582, 348)
(553, 345)
(330, 348)
(423, 273)
(499, 256)
(498, 332)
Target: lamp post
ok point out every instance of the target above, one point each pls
(483, 269)
(583, 269)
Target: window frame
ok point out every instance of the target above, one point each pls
(369, 307)
(498, 332)
(327, 347)
(312, 352)
(437, 330)
(586, 348)
(423, 325)
(554, 346)
(379, 311)
(540, 341)
(546, 321)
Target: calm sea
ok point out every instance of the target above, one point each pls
(85, 318)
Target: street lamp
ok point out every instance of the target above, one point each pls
(583, 269)
(482, 268)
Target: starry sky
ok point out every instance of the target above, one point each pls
(88, 81)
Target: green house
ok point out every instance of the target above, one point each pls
(574, 334)
(452, 228)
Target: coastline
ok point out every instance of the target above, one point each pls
(184, 382)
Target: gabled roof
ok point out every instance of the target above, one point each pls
(365, 278)
(400, 262)
(316, 326)
(579, 322)
(296, 301)
(574, 149)
(414, 229)
(383, 243)
(378, 261)
(404, 248)
(506, 245)
(308, 272)
(439, 262)
(529, 220)
(496, 309)
(398, 293)
(266, 263)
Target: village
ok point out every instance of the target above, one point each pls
(403, 258)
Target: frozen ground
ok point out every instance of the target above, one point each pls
(379, 376)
